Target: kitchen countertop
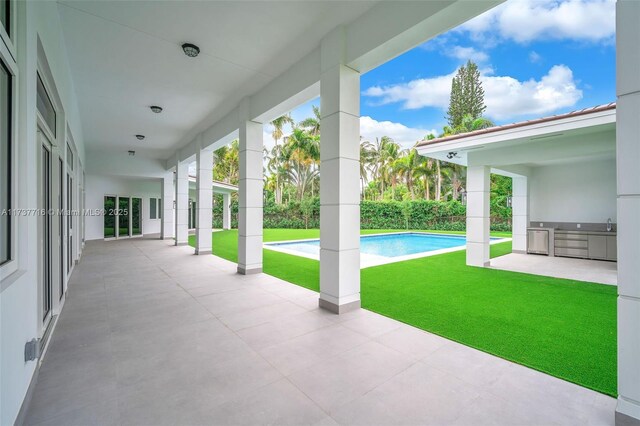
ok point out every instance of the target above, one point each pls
(575, 231)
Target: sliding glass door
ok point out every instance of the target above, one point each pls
(122, 216)
(136, 216)
(109, 216)
(45, 224)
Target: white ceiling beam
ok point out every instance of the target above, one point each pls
(391, 28)
(384, 32)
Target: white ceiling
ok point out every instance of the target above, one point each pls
(126, 56)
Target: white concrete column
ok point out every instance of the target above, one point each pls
(478, 191)
(182, 203)
(250, 198)
(226, 211)
(340, 189)
(167, 226)
(204, 200)
(628, 158)
(520, 214)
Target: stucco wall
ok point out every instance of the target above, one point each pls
(578, 192)
(99, 186)
(19, 309)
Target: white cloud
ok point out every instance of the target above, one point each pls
(534, 57)
(424, 92)
(527, 20)
(371, 129)
(505, 97)
(466, 53)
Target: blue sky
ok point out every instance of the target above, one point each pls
(537, 58)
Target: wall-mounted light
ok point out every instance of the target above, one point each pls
(132, 153)
(463, 197)
(191, 50)
(140, 137)
(509, 201)
(155, 108)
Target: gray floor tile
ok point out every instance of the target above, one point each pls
(151, 334)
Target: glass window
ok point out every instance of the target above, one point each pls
(5, 163)
(69, 157)
(45, 106)
(159, 208)
(5, 15)
(152, 209)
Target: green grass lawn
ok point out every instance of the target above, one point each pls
(562, 327)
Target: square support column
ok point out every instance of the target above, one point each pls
(250, 198)
(226, 211)
(204, 200)
(340, 189)
(478, 222)
(182, 204)
(520, 214)
(167, 227)
(627, 160)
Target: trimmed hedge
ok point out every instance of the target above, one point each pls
(418, 214)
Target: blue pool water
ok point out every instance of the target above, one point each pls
(389, 245)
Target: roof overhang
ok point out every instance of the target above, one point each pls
(561, 139)
(218, 187)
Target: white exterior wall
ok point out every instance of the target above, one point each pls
(19, 310)
(591, 187)
(99, 186)
(628, 190)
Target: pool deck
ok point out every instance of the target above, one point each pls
(369, 260)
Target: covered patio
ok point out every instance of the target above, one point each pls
(152, 331)
(152, 334)
(563, 171)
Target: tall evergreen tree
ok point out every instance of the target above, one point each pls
(467, 95)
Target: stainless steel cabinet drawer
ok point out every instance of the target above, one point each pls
(571, 252)
(567, 236)
(581, 244)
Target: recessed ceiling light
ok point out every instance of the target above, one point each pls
(191, 50)
(156, 109)
(132, 153)
(140, 137)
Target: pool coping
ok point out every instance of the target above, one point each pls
(370, 260)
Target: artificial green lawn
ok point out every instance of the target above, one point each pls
(562, 327)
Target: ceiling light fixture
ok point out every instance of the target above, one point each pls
(132, 153)
(156, 109)
(191, 50)
(140, 137)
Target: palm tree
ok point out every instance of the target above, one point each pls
(278, 126)
(226, 163)
(277, 134)
(425, 171)
(367, 158)
(302, 153)
(312, 124)
(386, 152)
(406, 167)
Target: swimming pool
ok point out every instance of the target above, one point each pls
(384, 248)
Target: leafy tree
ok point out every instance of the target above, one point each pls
(278, 126)
(312, 124)
(467, 95)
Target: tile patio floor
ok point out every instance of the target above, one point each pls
(597, 271)
(152, 334)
